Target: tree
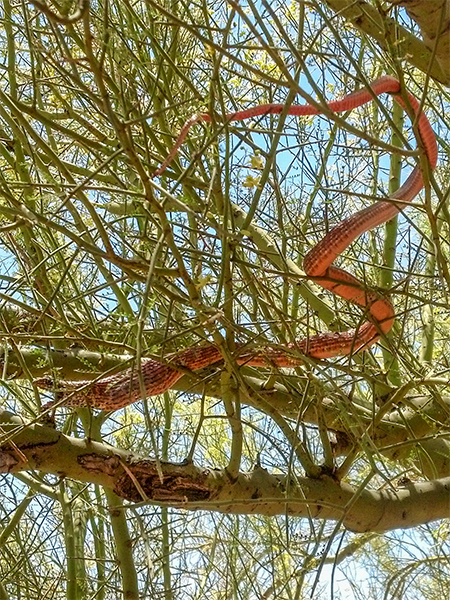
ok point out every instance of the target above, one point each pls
(297, 473)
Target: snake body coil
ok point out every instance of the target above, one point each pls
(117, 391)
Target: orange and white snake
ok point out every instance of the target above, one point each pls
(117, 391)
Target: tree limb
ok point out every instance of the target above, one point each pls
(366, 18)
(433, 18)
(401, 430)
(26, 446)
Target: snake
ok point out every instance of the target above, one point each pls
(157, 376)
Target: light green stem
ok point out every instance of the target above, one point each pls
(390, 242)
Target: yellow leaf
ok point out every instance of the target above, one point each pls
(251, 181)
(257, 162)
(209, 51)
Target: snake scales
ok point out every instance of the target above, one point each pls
(117, 391)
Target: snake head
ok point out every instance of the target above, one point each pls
(45, 383)
(48, 383)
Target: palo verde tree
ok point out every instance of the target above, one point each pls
(237, 481)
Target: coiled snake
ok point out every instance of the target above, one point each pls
(117, 391)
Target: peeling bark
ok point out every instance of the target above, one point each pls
(26, 446)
